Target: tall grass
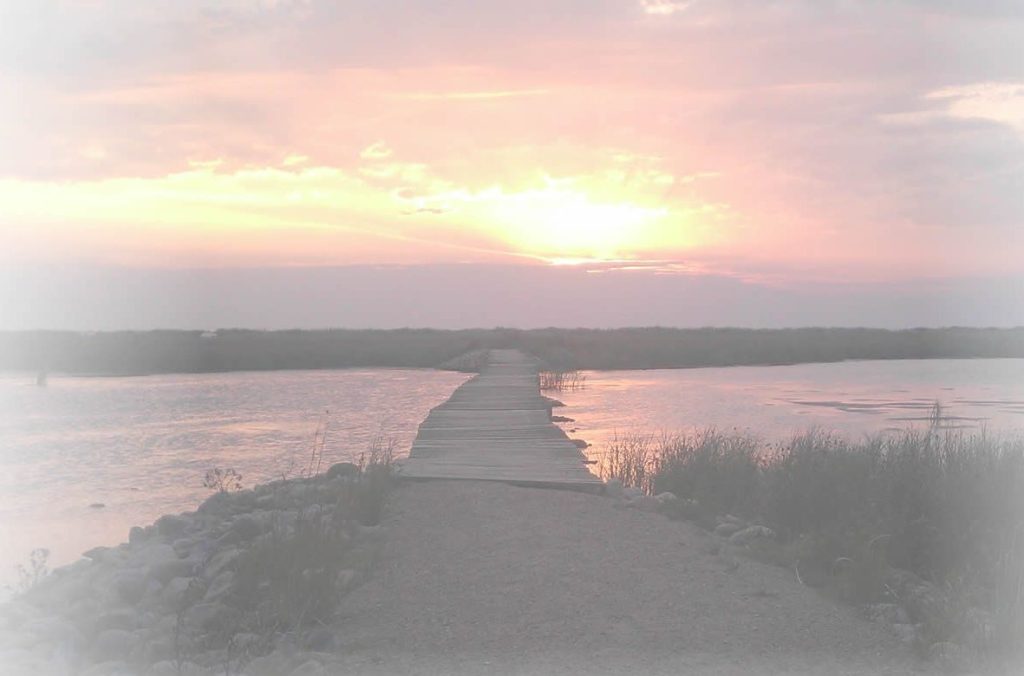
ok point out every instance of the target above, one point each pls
(631, 458)
(944, 504)
(562, 381)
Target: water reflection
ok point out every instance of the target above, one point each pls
(774, 402)
(140, 446)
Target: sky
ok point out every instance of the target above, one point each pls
(302, 163)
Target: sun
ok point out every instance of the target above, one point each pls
(565, 224)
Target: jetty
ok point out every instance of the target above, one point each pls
(497, 427)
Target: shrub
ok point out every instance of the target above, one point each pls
(943, 504)
(720, 471)
(222, 480)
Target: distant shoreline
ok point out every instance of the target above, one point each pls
(59, 374)
(135, 353)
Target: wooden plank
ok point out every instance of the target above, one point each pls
(497, 427)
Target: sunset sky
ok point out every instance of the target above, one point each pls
(785, 159)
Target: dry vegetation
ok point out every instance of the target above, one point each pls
(943, 506)
(562, 381)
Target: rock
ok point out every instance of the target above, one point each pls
(580, 443)
(978, 627)
(136, 534)
(207, 615)
(267, 501)
(175, 594)
(666, 498)
(249, 643)
(321, 639)
(165, 571)
(748, 535)
(644, 503)
(273, 664)
(117, 619)
(613, 488)
(298, 492)
(97, 553)
(171, 526)
(313, 512)
(220, 586)
(630, 492)
(346, 579)
(907, 633)
(342, 469)
(887, 613)
(17, 612)
(221, 561)
(113, 644)
(309, 668)
(97, 505)
(727, 529)
(372, 533)
(217, 503)
(243, 500)
(154, 552)
(729, 518)
(170, 668)
(182, 546)
(246, 527)
(163, 668)
(948, 657)
(158, 649)
(108, 668)
(54, 630)
(924, 602)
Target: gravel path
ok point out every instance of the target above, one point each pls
(486, 578)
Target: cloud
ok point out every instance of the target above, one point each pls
(472, 96)
(375, 151)
(665, 7)
(839, 136)
(1000, 102)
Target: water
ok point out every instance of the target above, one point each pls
(140, 446)
(775, 402)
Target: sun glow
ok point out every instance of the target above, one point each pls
(569, 224)
(379, 205)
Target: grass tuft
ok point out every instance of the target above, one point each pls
(942, 503)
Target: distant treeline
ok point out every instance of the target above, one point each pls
(136, 352)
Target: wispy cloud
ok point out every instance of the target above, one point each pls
(1001, 102)
(376, 151)
(665, 7)
(472, 95)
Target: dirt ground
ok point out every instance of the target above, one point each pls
(486, 578)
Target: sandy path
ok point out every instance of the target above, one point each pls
(485, 578)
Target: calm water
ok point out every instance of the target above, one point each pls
(140, 446)
(775, 402)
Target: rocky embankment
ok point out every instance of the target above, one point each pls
(248, 583)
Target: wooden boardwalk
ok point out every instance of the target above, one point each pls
(497, 427)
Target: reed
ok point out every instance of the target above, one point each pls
(944, 504)
(562, 381)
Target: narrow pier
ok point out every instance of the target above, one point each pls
(497, 427)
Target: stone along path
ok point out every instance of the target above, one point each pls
(497, 427)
